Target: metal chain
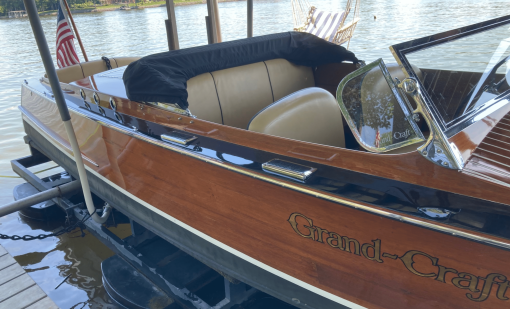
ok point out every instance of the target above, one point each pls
(107, 62)
(43, 236)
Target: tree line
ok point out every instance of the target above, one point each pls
(45, 5)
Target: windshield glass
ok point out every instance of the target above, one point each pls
(462, 75)
(373, 111)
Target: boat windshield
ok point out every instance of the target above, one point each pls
(463, 74)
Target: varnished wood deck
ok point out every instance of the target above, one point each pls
(17, 289)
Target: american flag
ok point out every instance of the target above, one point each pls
(66, 54)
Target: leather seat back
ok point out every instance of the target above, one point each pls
(203, 99)
(242, 92)
(310, 115)
(286, 77)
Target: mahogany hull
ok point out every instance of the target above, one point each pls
(319, 250)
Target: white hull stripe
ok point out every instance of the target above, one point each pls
(203, 235)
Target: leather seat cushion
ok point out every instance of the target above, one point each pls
(122, 61)
(310, 115)
(70, 74)
(242, 92)
(202, 98)
(286, 77)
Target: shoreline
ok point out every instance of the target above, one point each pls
(117, 8)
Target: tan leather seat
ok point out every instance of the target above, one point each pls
(122, 61)
(84, 69)
(310, 115)
(96, 66)
(70, 74)
(286, 77)
(242, 92)
(202, 98)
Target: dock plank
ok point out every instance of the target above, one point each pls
(15, 286)
(6, 260)
(45, 303)
(24, 298)
(10, 273)
(17, 289)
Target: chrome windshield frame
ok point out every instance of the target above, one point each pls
(401, 99)
(453, 127)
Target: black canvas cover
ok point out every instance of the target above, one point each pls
(162, 77)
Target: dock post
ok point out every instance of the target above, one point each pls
(171, 26)
(250, 18)
(217, 21)
(212, 31)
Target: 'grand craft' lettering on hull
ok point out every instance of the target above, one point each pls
(478, 288)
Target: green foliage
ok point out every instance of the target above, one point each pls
(42, 5)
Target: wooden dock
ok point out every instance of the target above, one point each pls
(17, 289)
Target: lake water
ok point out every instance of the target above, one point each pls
(142, 32)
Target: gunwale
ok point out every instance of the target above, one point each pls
(412, 167)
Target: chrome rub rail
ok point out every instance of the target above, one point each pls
(134, 133)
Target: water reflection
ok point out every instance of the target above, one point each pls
(50, 261)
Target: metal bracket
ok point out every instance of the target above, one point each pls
(436, 149)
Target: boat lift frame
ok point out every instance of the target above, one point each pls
(126, 249)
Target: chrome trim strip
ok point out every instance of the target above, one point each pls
(437, 148)
(178, 137)
(453, 127)
(212, 240)
(380, 212)
(288, 169)
(402, 101)
(31, 117)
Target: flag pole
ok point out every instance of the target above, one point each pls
(47, 60)
(76, 31)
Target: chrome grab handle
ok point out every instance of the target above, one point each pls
(288, 169)
(178, 137)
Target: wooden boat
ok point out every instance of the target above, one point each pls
(262, 180)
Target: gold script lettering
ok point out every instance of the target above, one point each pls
(293, 223)
(335, 237)
(407, 259)
(348, 242)
(487, 286)
(443, 271)
(472, 279)
(377, 250)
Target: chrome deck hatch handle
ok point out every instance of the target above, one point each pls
(178, 137)
(288, 169)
